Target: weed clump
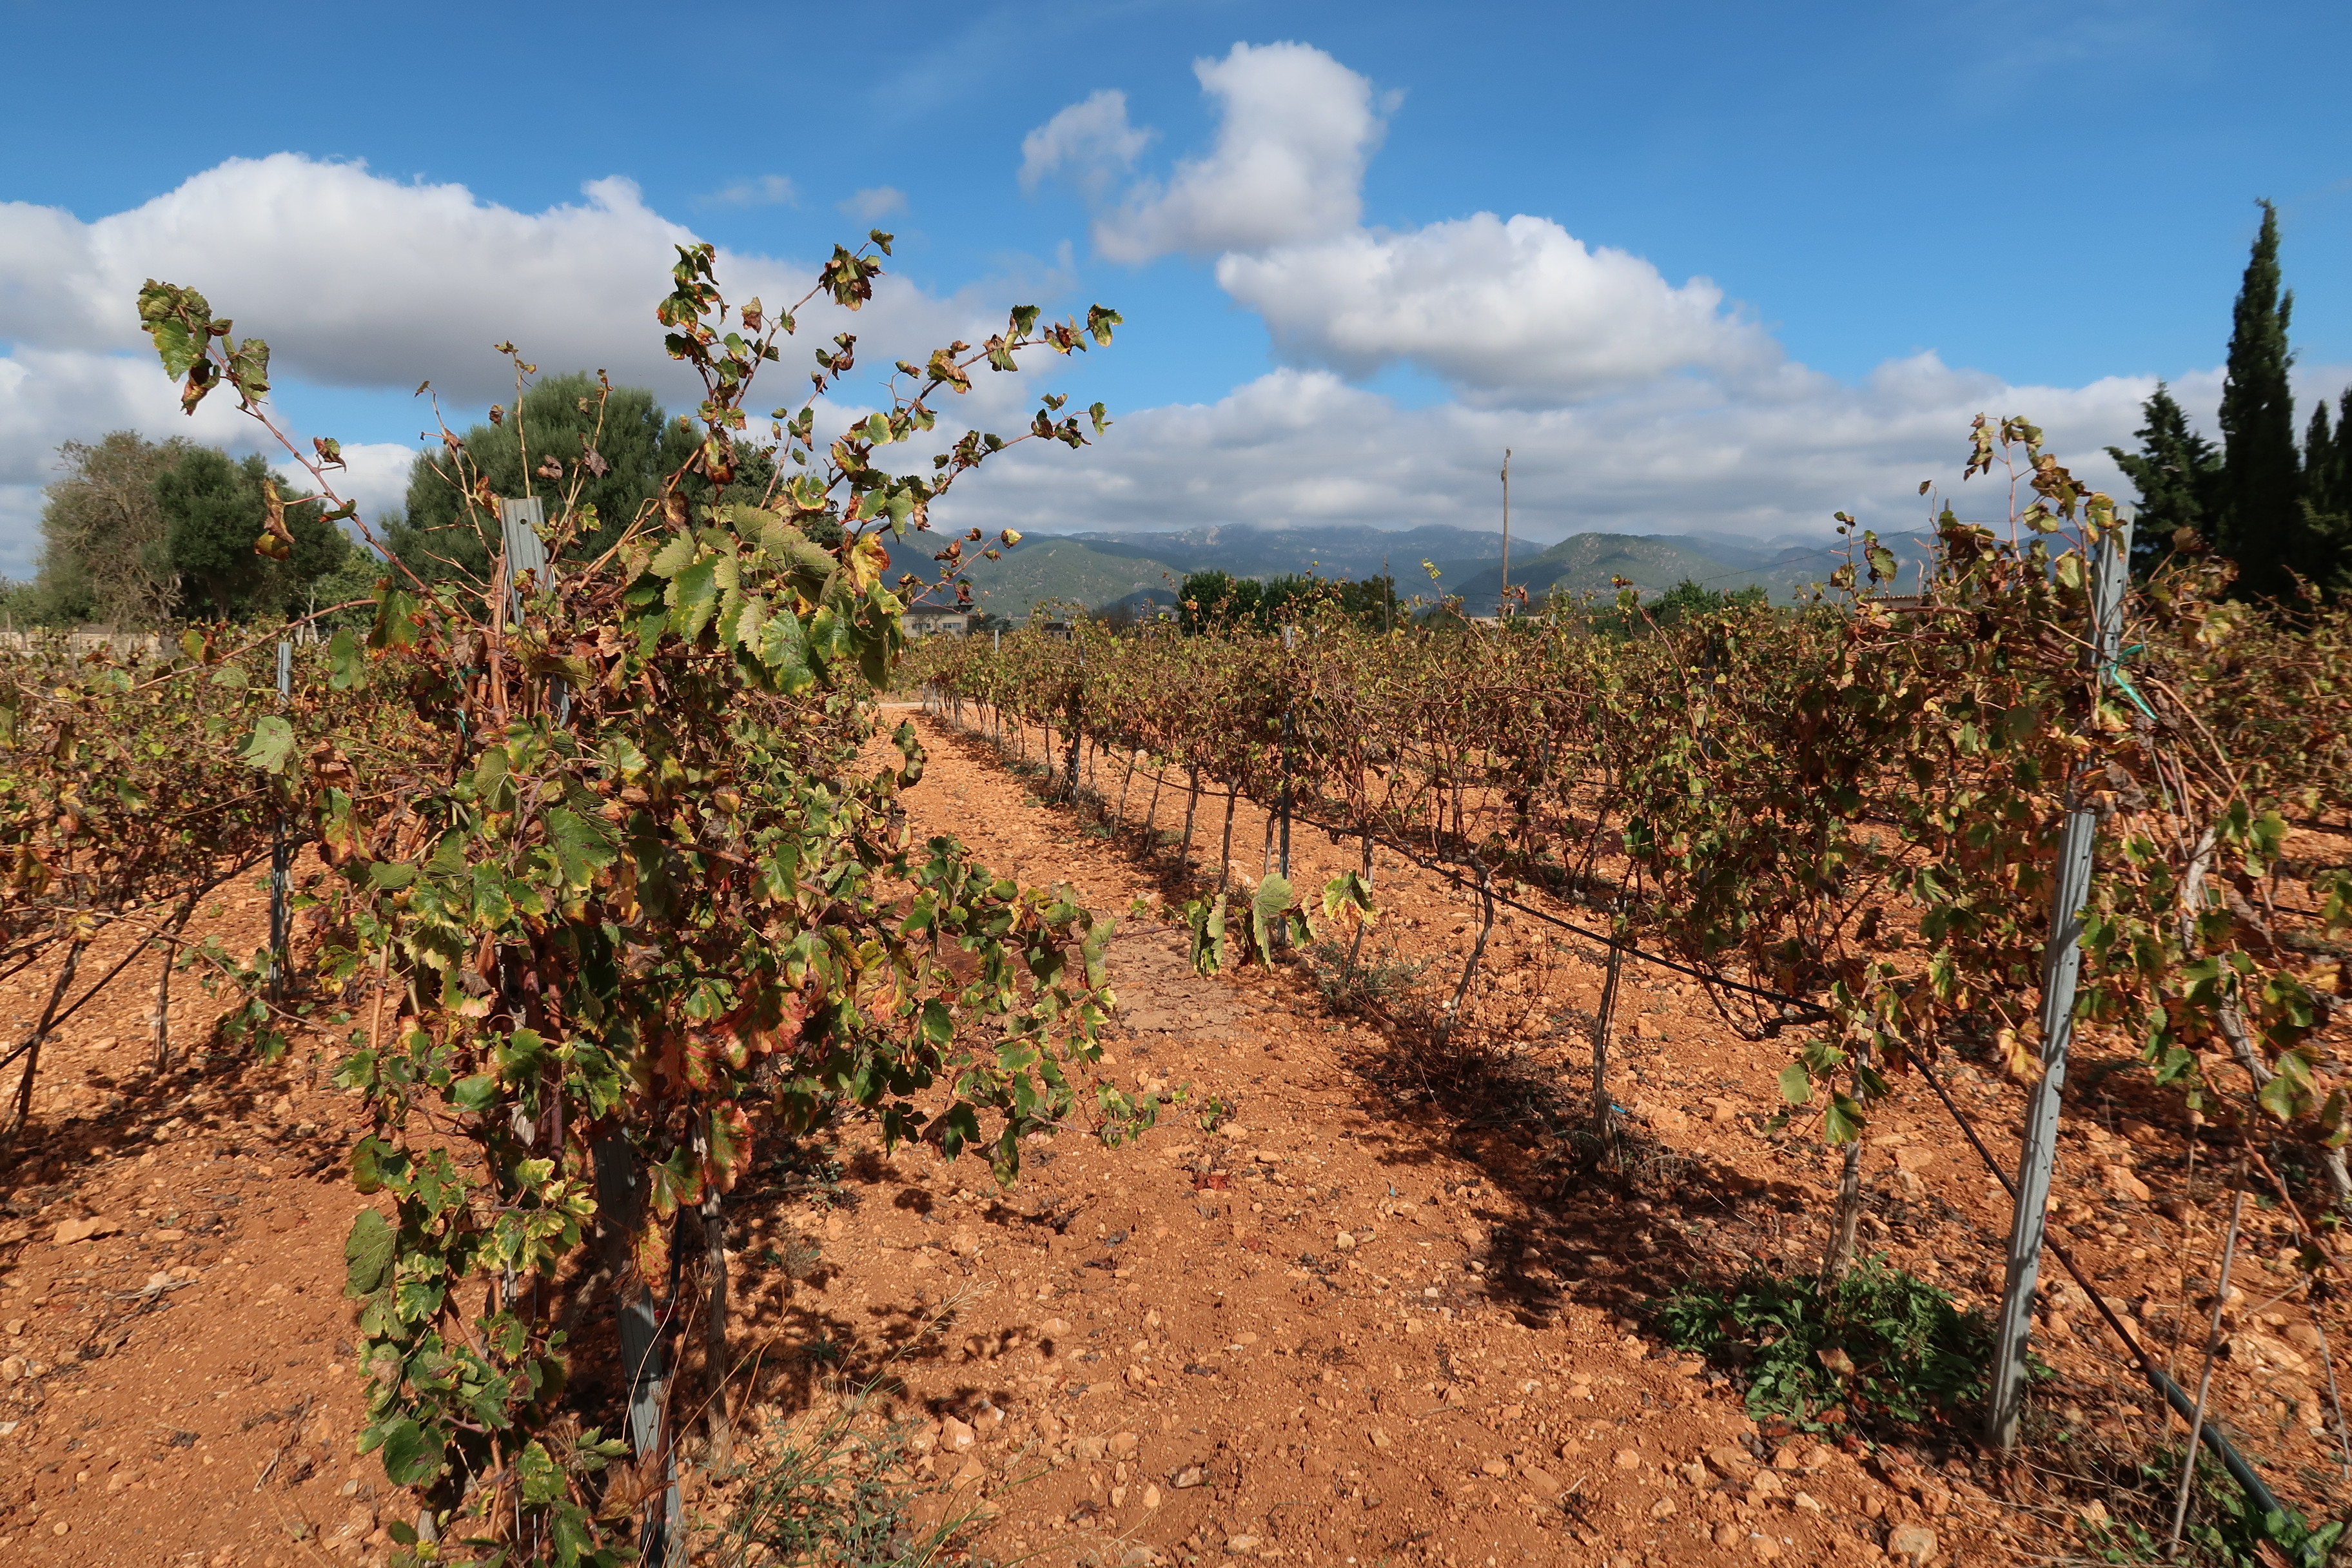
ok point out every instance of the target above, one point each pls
(2129, 1517)
(1885, 1345)
(1373, 985)
(827, 1490)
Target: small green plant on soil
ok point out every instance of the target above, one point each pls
(2222, 1526)
(1346, 976)
(1886, 1344)
(828, 1492)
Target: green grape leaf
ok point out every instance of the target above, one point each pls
(346, 666)
(394, 625)
(2286, 1098)
(179, 320)
(959, 1126)
(1267, 906)
(367, 1161)
(693, 597)
(367, 1254)
(411, 1453)
(674, 557)
(542, 1478)
(248, 369)
(271, 744)
(783, 646)
(1348, 890)
(475, 1095)
(583, 845)
(1844, 1122)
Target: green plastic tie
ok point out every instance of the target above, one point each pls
(2115, 672)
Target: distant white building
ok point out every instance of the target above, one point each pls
(936, 620)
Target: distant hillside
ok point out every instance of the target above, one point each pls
(1794, 568)
(1063, 570)
(1584, 563)
(1100, 570)
(1246, 549)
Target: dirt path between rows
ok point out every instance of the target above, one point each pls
(1374, 1316)
(1329, 1331)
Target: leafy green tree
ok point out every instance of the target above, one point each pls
(624, 455)
(1689, 599)
(19, 605)
(1370, 603)
(213, 511)
(1288, 597)
(620, 446)
(2177, 474)
(213, 507)
(1686, 600)
(1218, 600)
(356, 579)
(2261, 521)
(104, 554)
(60, 593)
(1213, 600)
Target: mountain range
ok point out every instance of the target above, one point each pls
(1588, 563)
(1103, 570)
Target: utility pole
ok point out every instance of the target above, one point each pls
(1502, 606)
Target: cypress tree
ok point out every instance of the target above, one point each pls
(2326, 534)
(2261, 512)
(2319, 458)
(2175, 472)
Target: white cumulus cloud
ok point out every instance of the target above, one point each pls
(1635, 404)
(1304, 446)
(1296, 129)
(873, 205)
(357, 280)
(360, 280)
(1506, 311)
(1515, 311)
(1090, 144)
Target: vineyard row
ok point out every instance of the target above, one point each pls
(1846, 815)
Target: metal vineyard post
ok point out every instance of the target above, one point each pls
(2062, 966)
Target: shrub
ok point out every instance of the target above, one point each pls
(1886, 1344)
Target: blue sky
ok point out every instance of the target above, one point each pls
(1899, 213)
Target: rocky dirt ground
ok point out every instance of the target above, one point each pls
(1375, 1311)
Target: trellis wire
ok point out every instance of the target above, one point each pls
(2256, 1491)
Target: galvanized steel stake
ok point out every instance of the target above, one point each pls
(2062, 966)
